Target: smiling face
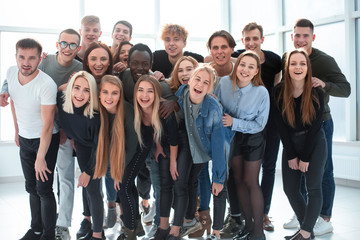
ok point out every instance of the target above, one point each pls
(67, 55)
(145, 95)
(139, 64)
(121, 33)
(109, 97)
(186, 68)
(80, 93)
(27, 59)
(246, 71)
(90, 33)
(199, 86)
(98, 62)
(252, 40)
(297, 67)
(124, 53)
(174, 45)
(303, 38)
(220, 51)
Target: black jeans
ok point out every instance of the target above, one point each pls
(186, 185)
(42, 199)
(93, 203)
(166, 186)
(306, 213)
(272, 139)
(219, 208)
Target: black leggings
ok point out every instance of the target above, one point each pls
(128, 193)
(307, 213)
(166, 186)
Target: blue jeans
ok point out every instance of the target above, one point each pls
(204, 189)
(328, 183)
(109, 185)
(155, 180)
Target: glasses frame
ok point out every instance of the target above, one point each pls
(68, 44)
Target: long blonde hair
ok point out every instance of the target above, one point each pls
(93, 104)
(117, 141)
(138, 114)
(308, 95)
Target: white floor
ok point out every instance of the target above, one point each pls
(15, 213)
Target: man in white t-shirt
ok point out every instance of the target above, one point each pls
(33, 101)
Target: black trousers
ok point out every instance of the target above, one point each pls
(41, 194)
(307, 213)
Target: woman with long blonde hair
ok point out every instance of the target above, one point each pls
(79, 118)
(298, 111)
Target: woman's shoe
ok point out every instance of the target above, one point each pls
(298, 236)
(127, 234)
(242, 234)
(312, 236)
(212, 237)
(205, 220)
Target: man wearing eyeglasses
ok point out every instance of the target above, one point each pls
(61, 67)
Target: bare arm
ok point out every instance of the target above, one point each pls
(15, 123)
(47, 115)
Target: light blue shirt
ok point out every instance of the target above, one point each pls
(249, 106)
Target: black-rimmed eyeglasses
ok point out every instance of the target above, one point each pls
(64, 44)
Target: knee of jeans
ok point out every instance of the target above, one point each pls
(45, 192)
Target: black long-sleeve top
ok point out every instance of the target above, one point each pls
(84, 131)
(286, 131)
(170, 133)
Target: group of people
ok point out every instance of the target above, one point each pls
(160, 117)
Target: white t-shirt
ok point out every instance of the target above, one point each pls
(28, 99)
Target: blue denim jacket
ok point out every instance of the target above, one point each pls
(211, 132)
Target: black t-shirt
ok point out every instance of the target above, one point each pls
(269, 68)
(162, 64)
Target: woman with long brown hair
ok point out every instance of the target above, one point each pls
(246, 102)
(299, 108)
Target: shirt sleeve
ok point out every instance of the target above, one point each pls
(257, 122)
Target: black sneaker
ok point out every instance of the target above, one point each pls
(172, 237)
(30, 235)
(161, 234)
(85, 232)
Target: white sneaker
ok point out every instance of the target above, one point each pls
(293, 223)
(62, 233)
(322, 227)
(151, 233)
(148, 218)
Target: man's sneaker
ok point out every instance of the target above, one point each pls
(267, 224)
(111, 217)
(30, 235)
(62, 233)
(293, 223)
(322, 227)
(85, 231)
(188, 229)
(230, 228)
(151, 233)
(149, 216)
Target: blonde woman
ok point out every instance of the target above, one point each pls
(78, 106)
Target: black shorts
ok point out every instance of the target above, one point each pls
(250, 146)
